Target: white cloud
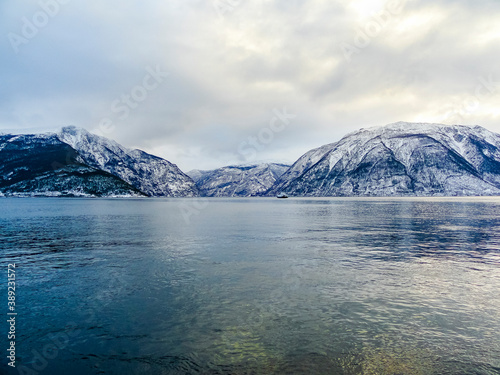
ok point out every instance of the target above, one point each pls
(228, 73)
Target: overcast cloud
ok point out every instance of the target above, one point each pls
(193, 81)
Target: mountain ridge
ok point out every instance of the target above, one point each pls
(45, 166)
(398, 159)
(150, 174)
(340, 168)
(74, 162)
(237, 180)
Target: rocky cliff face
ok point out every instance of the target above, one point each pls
(401, 159)
(238, 181)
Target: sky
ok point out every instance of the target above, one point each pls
(211, 83)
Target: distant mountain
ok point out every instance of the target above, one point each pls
(238, 181)
(401, 159)
(77, 163)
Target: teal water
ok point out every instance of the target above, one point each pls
(254, 286)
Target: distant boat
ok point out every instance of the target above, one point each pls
(282, 195)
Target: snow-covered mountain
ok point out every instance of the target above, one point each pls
(238, 181)
(42, 165)
(76, 162)
(400, 159)
(150, 174)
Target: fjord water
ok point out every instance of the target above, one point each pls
(254, 286)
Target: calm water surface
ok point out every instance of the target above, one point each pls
(254, 286)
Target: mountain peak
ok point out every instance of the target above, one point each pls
(73, 130)
(73, 135)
